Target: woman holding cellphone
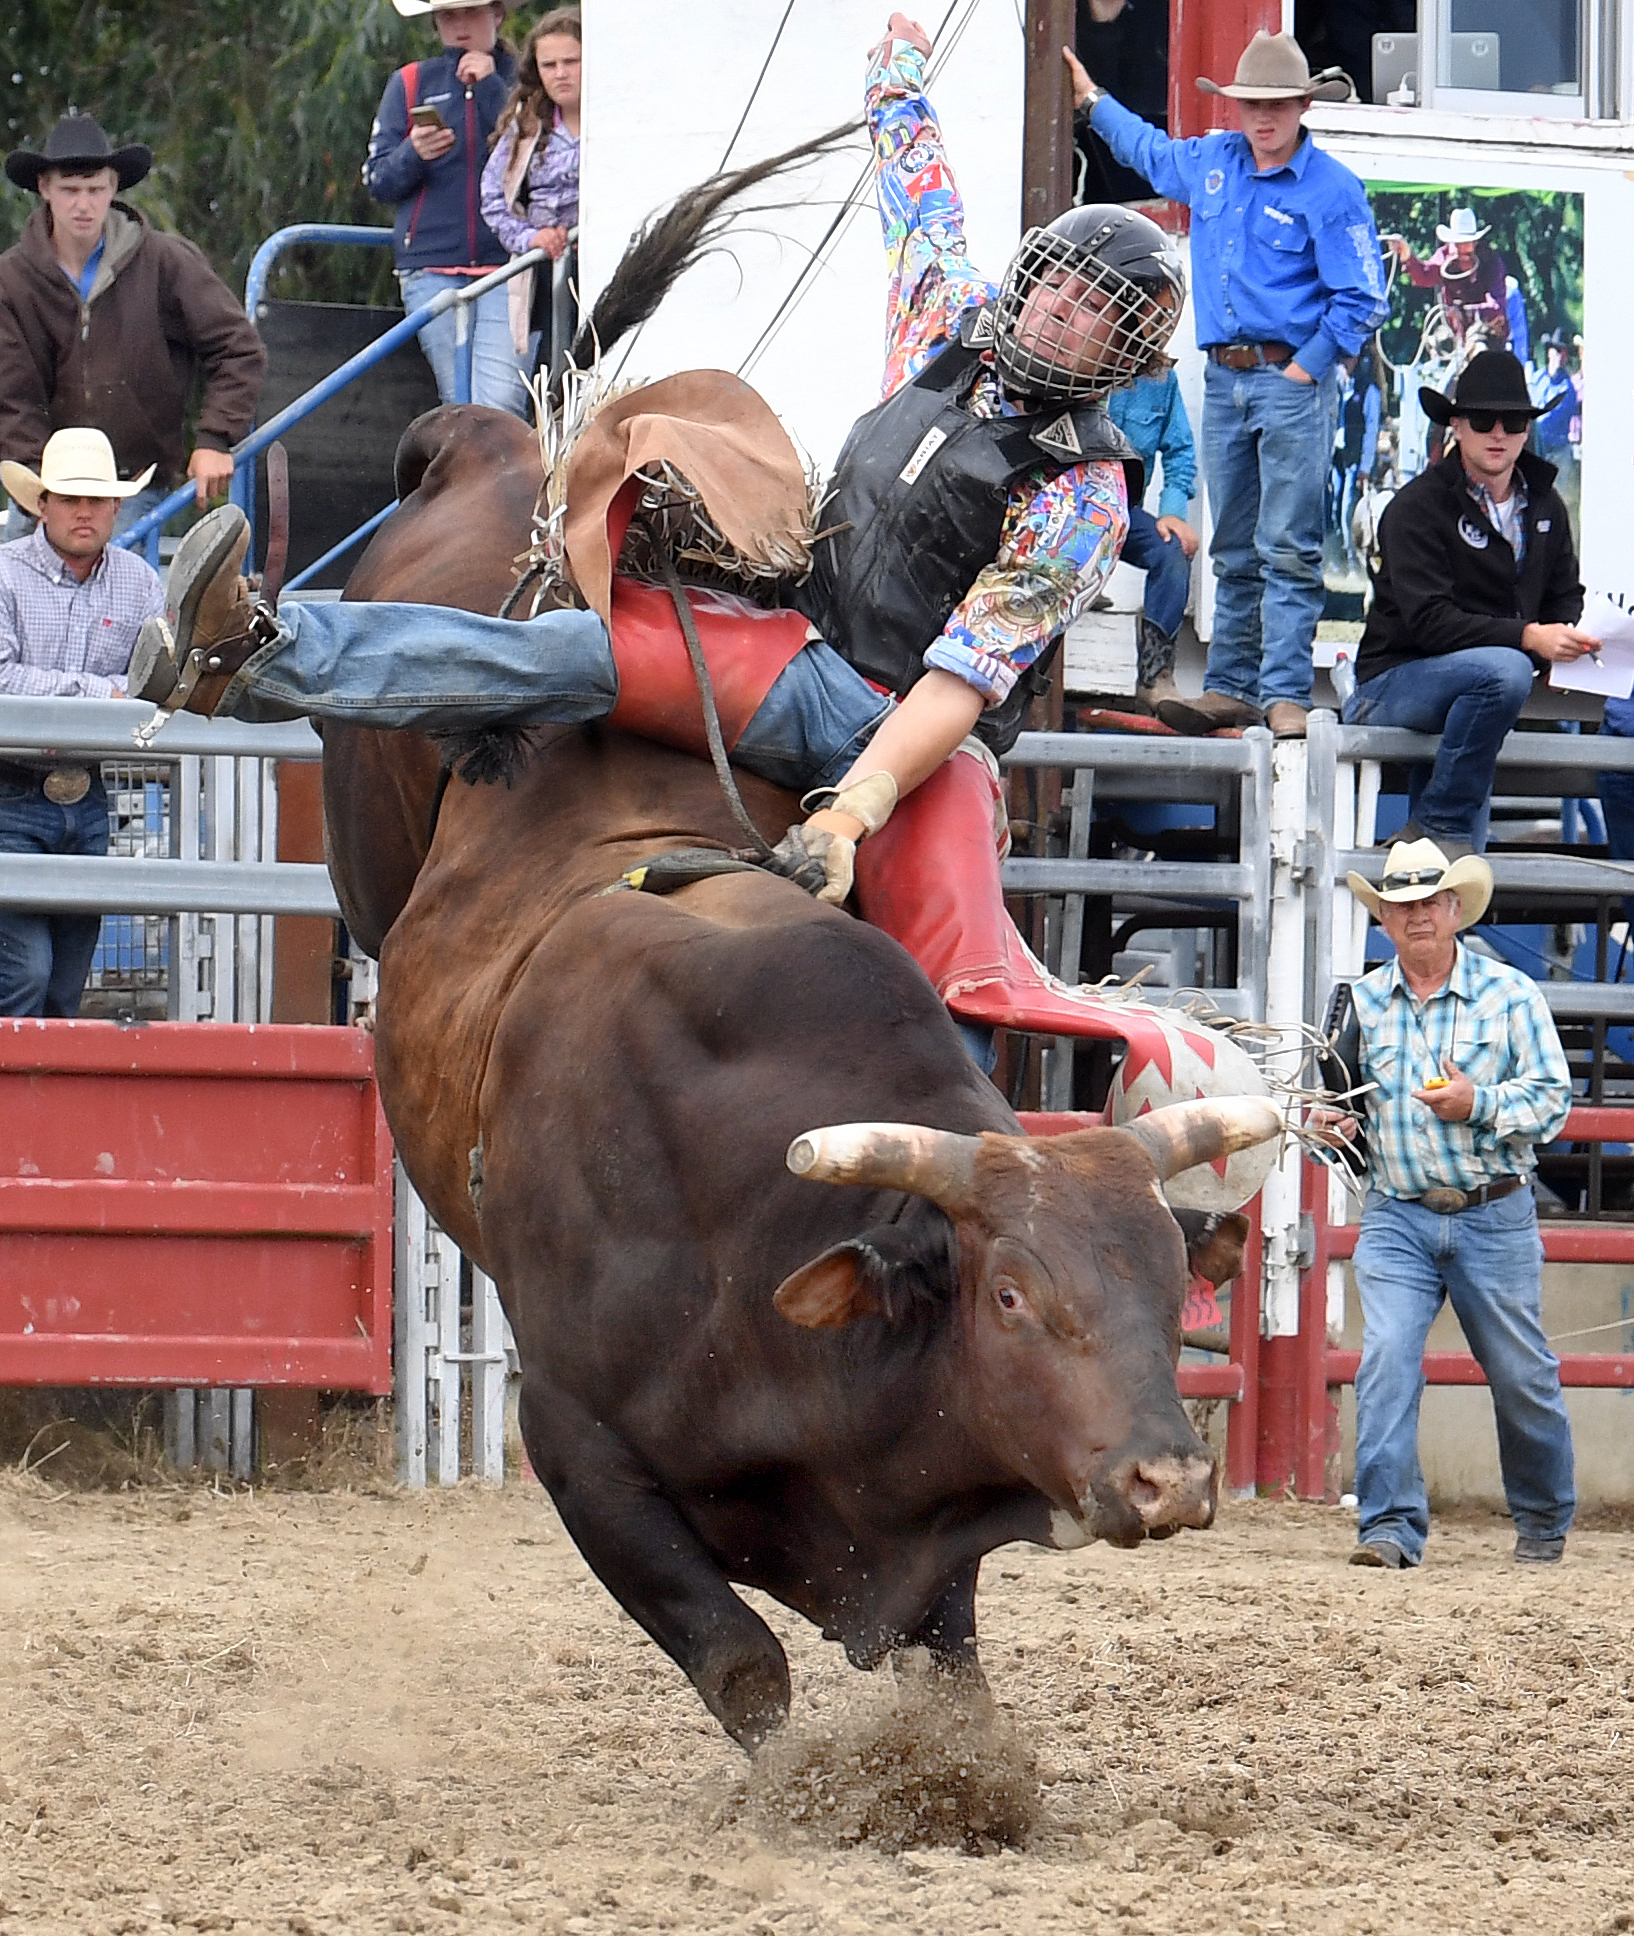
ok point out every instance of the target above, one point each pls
(426, 154)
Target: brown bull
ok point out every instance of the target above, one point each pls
(838, 1364)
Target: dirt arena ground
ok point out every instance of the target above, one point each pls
(368, 1711)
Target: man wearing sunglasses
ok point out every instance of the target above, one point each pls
(1475, 591)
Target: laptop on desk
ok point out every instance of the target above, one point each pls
(1473, 63)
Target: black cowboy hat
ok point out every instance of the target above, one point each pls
(1494, 381)
(77, 144)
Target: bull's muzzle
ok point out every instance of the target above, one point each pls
(1153, 1495)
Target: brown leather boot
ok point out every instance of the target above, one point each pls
(1208, 712)
(188, 657)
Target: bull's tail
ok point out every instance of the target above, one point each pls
(668, 244)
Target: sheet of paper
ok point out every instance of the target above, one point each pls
(1612, 674)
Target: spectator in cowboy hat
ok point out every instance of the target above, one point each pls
(70, 609)
(103, 319)
(1470, 1077)
(1287, 279)
(1475, 591)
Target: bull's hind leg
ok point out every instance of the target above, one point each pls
(655, 1566)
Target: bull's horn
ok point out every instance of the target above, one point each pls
(933, 1163)
(1185, 1134)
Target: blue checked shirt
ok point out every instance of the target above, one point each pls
(59, 637)
(1288, 256)
(1492, 1023)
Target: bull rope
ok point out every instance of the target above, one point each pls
(706, 693)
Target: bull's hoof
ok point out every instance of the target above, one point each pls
(750, 1698)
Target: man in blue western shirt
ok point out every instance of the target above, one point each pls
(1287, 279)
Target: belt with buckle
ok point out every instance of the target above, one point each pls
(1249, 356)
(1448, 1203)
(62, 785)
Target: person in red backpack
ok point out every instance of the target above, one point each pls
(427, 150)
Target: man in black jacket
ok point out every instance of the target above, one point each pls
(1475, 591)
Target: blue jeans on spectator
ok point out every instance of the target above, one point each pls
(430, 667)
(1488, 1261)
(1472, 699)
(496, 378)
(44, 958)
(1168, 580)
(1267, 448)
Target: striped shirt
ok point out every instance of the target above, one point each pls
(1492, 1023)
(61, 638)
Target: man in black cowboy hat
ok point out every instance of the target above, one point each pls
(1475, 591)
(106, 322)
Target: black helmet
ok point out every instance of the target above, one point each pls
(1099, 252)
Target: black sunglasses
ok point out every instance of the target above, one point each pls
(1516, 423)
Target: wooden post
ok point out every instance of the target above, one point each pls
(1046, 153)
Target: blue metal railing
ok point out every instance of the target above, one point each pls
(144, 534)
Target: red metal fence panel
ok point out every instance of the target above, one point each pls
(193, 1204)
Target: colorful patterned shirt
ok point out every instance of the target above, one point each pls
(1062, 534)
(61, 637)
(1492, 1023)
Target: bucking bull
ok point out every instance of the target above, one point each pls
(798, 1305)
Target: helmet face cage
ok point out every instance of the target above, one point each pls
(1130, 323)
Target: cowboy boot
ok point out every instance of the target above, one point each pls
(930, 879)
(211, 624)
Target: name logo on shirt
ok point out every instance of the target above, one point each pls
(1472, 534)
(1279, 215)
(1214, 181)
(929, 445)
(1544, 523)
(981, 331)
(1062, 436)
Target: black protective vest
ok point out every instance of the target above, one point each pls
(916, 509)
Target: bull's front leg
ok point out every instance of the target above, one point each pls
(647, 1556)
(947, 1634)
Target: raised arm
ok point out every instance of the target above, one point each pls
(930, 280)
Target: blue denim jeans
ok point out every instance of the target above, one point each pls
(1488, 1261)
(497, 377)
(1167, 569)
(44, 958)
(431, 668)
(1472, 699)
(1267, 447)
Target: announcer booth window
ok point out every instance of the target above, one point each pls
(1556, 59)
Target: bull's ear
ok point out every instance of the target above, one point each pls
(837, 1288)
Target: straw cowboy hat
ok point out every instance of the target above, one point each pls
(75, 463)
(1462, 228)
(1494, 381)
(76, 142)
(409, 8)
(1416, 869)
(1274, 68)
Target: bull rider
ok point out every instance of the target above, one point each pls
(972, 515)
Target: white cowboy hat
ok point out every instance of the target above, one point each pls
(1416, 869)
(75, 463)
(409, 8)
(1462, 228)
(1274, 68)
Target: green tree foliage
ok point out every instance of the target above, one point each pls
(257, 112)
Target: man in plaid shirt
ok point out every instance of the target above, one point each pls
(1469, 1077)
(70, 609)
